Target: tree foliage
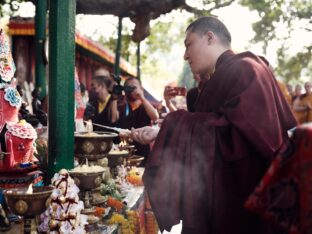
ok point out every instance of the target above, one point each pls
(293, 67)
(10, 6)
(290, 14)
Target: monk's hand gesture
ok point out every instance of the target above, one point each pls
(144, 135)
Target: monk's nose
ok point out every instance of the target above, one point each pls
(185, 57)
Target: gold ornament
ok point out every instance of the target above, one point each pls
(21, 207)
(103, 146)
(53, 223)
(98, 181)
(87, 147)
(62, 199)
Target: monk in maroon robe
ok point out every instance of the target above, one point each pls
(205, 164)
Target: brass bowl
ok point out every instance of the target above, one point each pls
(28, 205)
(115, 160)
(94, 145)
(135, 160)
(87, 180)
(127, 147)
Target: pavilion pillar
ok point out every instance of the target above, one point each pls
(118, 49)
(40, 37)
(61, 84)
(139, 61)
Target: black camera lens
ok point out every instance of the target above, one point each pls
(129, 88)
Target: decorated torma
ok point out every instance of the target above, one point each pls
(17, 138)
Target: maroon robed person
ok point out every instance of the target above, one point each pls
(204, 165)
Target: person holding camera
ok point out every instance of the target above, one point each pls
(102, 109)
(138, 113)
(191, 95)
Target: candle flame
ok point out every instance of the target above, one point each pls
(30, 189)
(123, 143)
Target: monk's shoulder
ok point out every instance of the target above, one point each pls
(242, 67)
(245, 60)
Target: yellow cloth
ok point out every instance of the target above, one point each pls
(102, 105)
(285, 92)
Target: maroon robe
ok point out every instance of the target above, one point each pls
(205, 164)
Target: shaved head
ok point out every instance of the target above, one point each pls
(205, 24)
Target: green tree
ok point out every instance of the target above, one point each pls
(293, 67)
(291, 15)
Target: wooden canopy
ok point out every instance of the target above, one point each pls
(139, 11)
(127, 8)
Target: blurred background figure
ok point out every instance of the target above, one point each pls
(193, 93)
(101, 108)
(285, 92)
(296, 93)
(290, 89)
(302, 105)
(24, 113)
(138, 112)
(169, 95)
(191, 96)
(38, 111)
(84, 94)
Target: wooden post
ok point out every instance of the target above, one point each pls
(139, 61)
(61, 84)
(40, 37)
(118, 49)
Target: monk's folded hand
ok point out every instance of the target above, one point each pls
(144, 135)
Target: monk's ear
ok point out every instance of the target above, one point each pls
(210, 37)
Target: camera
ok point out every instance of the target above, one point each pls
(118, 88)
(129, 88)
(178, 91)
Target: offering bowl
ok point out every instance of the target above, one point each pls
(87, 180)
(116, 158)
(28, 204)
(93, 145)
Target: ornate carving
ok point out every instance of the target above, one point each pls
(104, 146)
(21, 207)
(87, 147)
(97, 181)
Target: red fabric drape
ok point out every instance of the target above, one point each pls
(284, 194)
